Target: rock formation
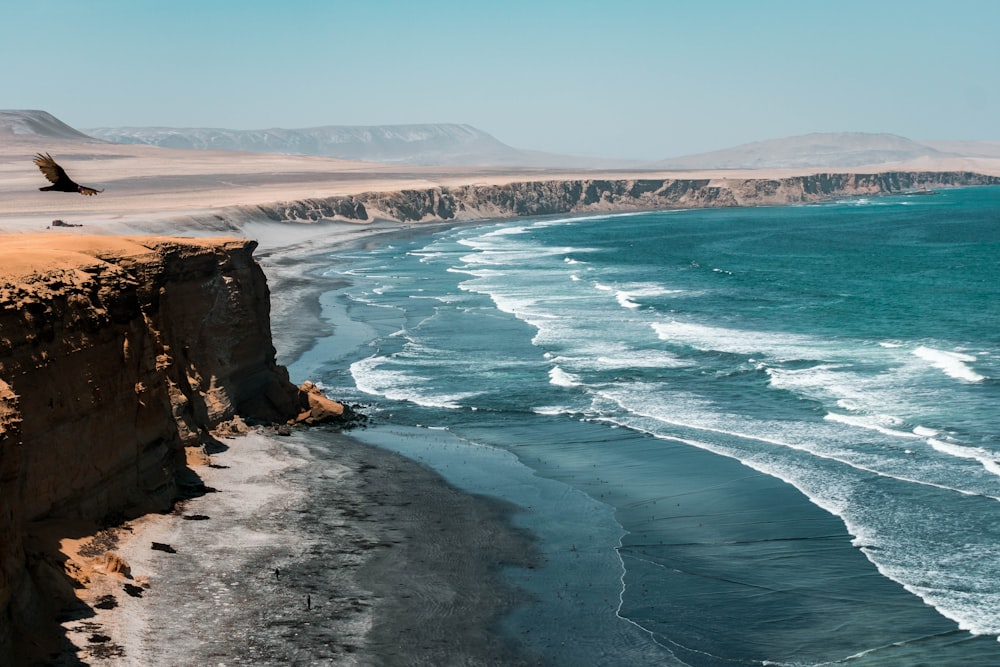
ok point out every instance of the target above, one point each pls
(316, 408)
(478, 202)
(115, 354)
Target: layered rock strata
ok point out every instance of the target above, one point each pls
(477, 202)
(116, 354)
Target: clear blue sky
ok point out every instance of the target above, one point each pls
(631, 78)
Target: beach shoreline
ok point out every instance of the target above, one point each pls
(391, 516)
(313, 548)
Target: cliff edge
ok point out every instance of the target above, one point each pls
(601, 195)
(116, 354)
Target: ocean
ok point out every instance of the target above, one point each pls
(759, 436)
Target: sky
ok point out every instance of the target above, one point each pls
(637, 79)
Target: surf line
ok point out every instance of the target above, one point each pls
(715, 449)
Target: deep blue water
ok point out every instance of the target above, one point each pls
(743, 436)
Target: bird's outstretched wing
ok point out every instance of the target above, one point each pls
(50, 168)
(57, 176)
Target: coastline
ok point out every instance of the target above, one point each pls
(274, 476)
(829, 544)
(378, 586)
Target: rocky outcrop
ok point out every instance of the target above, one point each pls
(478, 202)
(316, 408)
(115, 355)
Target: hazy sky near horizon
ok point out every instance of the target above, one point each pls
(631, 79)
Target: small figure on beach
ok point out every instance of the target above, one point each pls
(277, 573)
(57, 176)
(309, 601)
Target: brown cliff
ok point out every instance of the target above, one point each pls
(115, 354)
(477, 202)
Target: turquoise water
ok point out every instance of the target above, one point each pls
(770, 435)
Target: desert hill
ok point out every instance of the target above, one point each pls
(987, 149)
(828, 150)
(426, 144)
(15, 124)
(411, 144)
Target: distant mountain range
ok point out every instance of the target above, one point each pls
(464, 145)
(411, 144)
(829, 149)
(429, 144)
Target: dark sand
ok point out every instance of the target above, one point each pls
(316, 549)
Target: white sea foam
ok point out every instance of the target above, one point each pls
(953, 364)
(626, 295)
(561, 378)
(690, 412)
(989, 460)
(879, 423)
(923, 568)
(603, 356)
(372, 378)
(871, 400)
(627, 358)
(741, 341)
(625, 300)
(552, 222)
(427, 256)
(517, 306)
(551, 410)
(450, 298)
(821, 380)
(505, 231)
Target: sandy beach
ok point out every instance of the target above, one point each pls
(308, 555)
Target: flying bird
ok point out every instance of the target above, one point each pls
(57, 176)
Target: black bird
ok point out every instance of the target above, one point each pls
(57, 176)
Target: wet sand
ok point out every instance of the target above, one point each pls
(313, 549)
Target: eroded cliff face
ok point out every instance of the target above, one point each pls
(477, 202)
(115, 354)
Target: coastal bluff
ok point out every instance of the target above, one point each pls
(118, 355)
(574, 196)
